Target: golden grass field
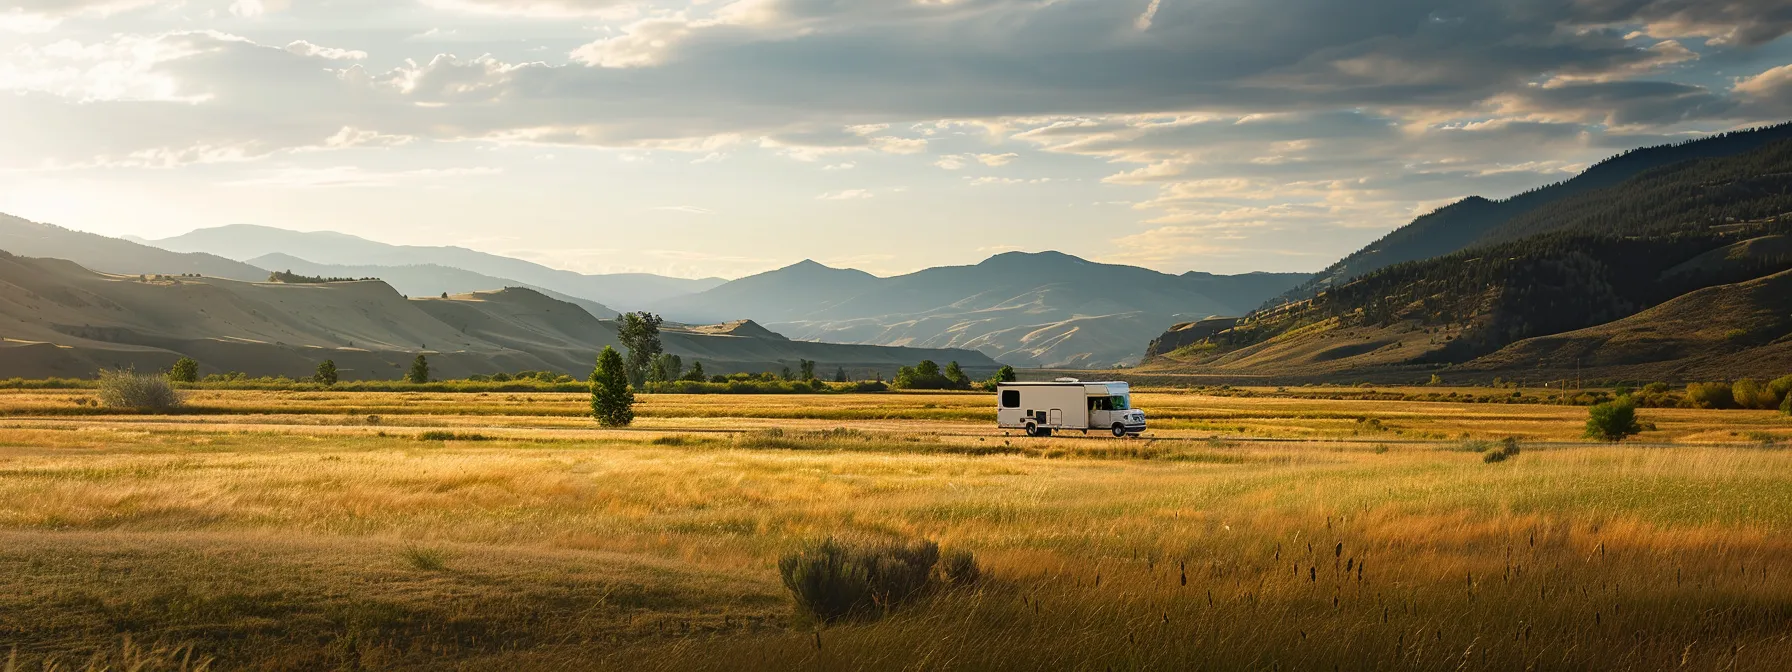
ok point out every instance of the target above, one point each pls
(292, 531)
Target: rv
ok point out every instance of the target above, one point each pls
(1068, 404)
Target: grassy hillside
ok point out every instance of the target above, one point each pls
(420, 279)
(1476, 220)
(1601, 256)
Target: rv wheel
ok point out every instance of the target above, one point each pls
(1119, 431)
(1032, 430)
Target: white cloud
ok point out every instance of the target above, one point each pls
(304, 48)
(846, 195)
(351, 176)
(995, 160)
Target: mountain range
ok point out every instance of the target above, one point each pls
(245, 242)
(1045, 309)
(1665, 263)
(60, 319)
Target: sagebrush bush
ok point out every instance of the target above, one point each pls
(832, 580)
(125, 388)
(443, 435)
(958, 568)
(1613, 420)
(1507, 449)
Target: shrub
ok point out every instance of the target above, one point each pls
(1613, 420)
(443, 435)
(1751, 393)
(1781, 388)
(125, 388)
(1786, 405)
(1507, 449)
(958, 568)
(426, 559)
(419, 373)
(1710, 395)
(185, 370)
(831, 580)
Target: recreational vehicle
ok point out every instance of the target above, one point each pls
(1067, 404)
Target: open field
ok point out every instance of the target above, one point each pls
(269, 530)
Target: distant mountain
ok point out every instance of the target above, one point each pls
(59, 319)
(112, 255)
(1571, 283)
(782, 295)
(1044, 309)
(420, 280)
(1476, 220)
(628, 291)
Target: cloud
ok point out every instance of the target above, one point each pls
(352, 177)
(846, 195)
(599, 9)
(304, 48)
(994, 160)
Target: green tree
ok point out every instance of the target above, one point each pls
(1005, 374)
(666, 368)
(186, 370)
(419, 373)
(927, 369)
(807, 368)
(787, 375)
(1786, 406)
(956, 374)
(326, 372)
(840, 374)
(1613, 420)
(612, 402)
(640, 334)
(696, 374)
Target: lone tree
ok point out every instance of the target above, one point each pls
(326, 372)
(640, 333)
(419, 373)
(185, 370)
(840, 374)
(1613, 420)
(612, 403)
(808, 369)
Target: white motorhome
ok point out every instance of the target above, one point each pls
(1067, 404)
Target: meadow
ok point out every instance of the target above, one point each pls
(308, 530)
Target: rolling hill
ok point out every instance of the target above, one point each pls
(113, 255)
(60, 319)
(1615, 277)
(419, 280)
(1476, 220)
(1026, 309)
(628, 291)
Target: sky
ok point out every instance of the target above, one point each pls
(726, 137)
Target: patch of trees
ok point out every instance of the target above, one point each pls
(291, 278)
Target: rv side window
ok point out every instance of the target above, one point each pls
(1010, 398)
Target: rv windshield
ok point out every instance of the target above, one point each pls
(1121, 402)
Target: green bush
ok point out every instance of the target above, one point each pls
(1786, 405)
(1781, 388)
(1751, 393)
(1613, 420)
(125, 388)
(185, 370)
(1710, 395)
(831, 580)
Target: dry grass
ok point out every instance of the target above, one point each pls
(307, 540)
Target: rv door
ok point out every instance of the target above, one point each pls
(1056, 417)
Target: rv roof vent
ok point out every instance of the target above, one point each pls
(1068, 380)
